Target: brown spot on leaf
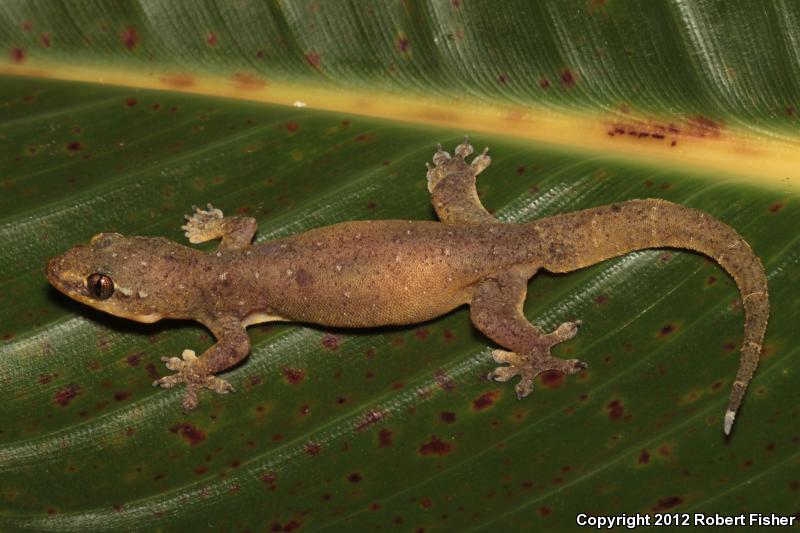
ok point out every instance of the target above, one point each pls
(385, 438)
(17, 55)
(502, 79)
(27, 25)
(46, 40)
(545, 511)
(402, 45)
(291, 525)
(189, 432)
(152, 371)
(435, 447)
(211, 39)
(552, 379)
(331, 341)
(44, 379)
(313, 448)
(774, 208)
(177, 80)
(372, 416)
(75, 146)
(122, 395)
(666, 330)
(567, 78)
(711, 280)
(131, 102)
(644, 457)
(294, 375)
(313, 59)
(544, 83)
(422, 333)
(667, 503)
(485, 400)
(447, 417)
(129, 37)
(355, 477)
(64, 396)
(701, 126)
(729, 346)
(444, 381)
(600, 299)
(248, 81)
(615, 410)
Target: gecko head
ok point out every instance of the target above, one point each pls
(129, 277)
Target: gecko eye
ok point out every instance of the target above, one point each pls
(100, 286)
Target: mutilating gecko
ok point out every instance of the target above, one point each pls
(390, 272)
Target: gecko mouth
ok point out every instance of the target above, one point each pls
(59, 278)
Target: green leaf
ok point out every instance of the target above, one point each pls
(582, 104)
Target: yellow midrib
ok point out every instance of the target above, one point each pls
(734, 154)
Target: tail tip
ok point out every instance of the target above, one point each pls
(730, 416)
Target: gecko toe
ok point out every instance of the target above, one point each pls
(482, 161)
(440, 157)
(524, 387)
(574, 366)
(464, 149)
(502, 373)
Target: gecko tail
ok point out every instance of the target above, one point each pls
(730, 416)
(577, 240)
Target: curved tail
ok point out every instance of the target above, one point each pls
(580, 239)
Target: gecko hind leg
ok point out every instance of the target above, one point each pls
(496, 310)
(451, 182)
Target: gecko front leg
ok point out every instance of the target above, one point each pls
(197, 373)
(209, 224)
(451, 183)
(496, 310)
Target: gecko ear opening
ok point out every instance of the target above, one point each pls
(101, 240)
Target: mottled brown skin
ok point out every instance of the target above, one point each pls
(375, 273)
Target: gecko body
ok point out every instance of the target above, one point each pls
(392, 272)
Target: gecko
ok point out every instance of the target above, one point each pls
(362, 274)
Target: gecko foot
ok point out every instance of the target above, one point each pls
(444, 163)
(190, 371)
(537, 361)
(203, 224)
